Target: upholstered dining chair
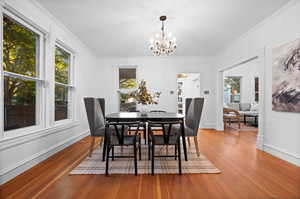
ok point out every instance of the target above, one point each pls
(193, 112)
(95, 109)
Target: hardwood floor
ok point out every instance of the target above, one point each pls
(246, 174)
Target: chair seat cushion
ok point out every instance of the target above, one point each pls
(159, 139)
(128, 140)
(176, 130)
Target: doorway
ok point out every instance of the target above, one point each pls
(241, 98)
(188, 86)
(259, 58)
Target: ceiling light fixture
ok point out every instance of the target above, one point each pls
(163, 43)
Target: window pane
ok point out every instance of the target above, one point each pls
(127, 103)
(232, 89)
(19, 48)
(62, 62)
(127, 77)
(61, 102)
(19, 103)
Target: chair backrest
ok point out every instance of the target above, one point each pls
(194, 107)
(94, 113)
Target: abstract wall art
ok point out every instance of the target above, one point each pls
(286, 77)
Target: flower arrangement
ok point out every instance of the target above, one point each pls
(142, 95)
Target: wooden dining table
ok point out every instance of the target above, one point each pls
(151, 116)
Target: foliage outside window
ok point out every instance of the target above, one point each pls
(127, 86)
(20, 63)
(62, 83)
(232, 89)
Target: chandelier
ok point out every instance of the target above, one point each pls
(163, 43)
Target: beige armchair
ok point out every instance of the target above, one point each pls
(231, 115)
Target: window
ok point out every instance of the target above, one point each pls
(256, 80)
(62, 83)
(21, 65)
(127, 85)
(232, 90)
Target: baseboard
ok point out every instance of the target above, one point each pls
(8, 173)
(208, 126)
(282, 154)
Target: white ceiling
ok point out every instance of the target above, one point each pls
(123, 27)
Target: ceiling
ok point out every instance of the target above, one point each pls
(123, 27)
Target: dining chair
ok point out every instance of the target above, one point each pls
(166, 139)
(194, 107)
(158, 126)
(143, 128)
(95, 109)
(193, 112)
(120, 138)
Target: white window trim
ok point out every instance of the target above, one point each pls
(71, 88)
(39, 79)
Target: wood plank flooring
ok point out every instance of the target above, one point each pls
(247, 173)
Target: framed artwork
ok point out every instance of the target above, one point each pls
(286, 77)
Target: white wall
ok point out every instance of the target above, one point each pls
(247, 72)
(282, 130)
(160, 75)
(20, 153)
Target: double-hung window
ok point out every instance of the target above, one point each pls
(63, 86)
(22, 73)
(127, 86)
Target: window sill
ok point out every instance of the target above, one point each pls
(8, 142)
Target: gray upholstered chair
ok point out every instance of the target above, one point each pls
(193, 112)
(194, 107)
(95, 109)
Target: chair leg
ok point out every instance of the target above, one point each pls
(101, 141)
(152, 161)
(113, 153)
(92, 146)
(145, 133)
(189, 141)
(196, 145)
(107, 160)
(179, 157)
(104, 148)
(176, 152)
(135, 158)
(140, 149)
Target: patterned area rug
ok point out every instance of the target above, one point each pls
(195, 164)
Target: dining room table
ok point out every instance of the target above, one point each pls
(120, 117)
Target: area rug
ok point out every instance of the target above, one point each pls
(195, 164)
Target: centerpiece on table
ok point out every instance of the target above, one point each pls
(144, 97)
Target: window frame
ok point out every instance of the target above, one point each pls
(126, 90)
(39, 78)
(70, 85)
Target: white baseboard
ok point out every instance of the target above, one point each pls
(208, 126)
(282, 154)
(8, 173)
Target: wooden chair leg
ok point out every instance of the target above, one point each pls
(189, 141)
(101, 141)
(92, 146)
(196, 146)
